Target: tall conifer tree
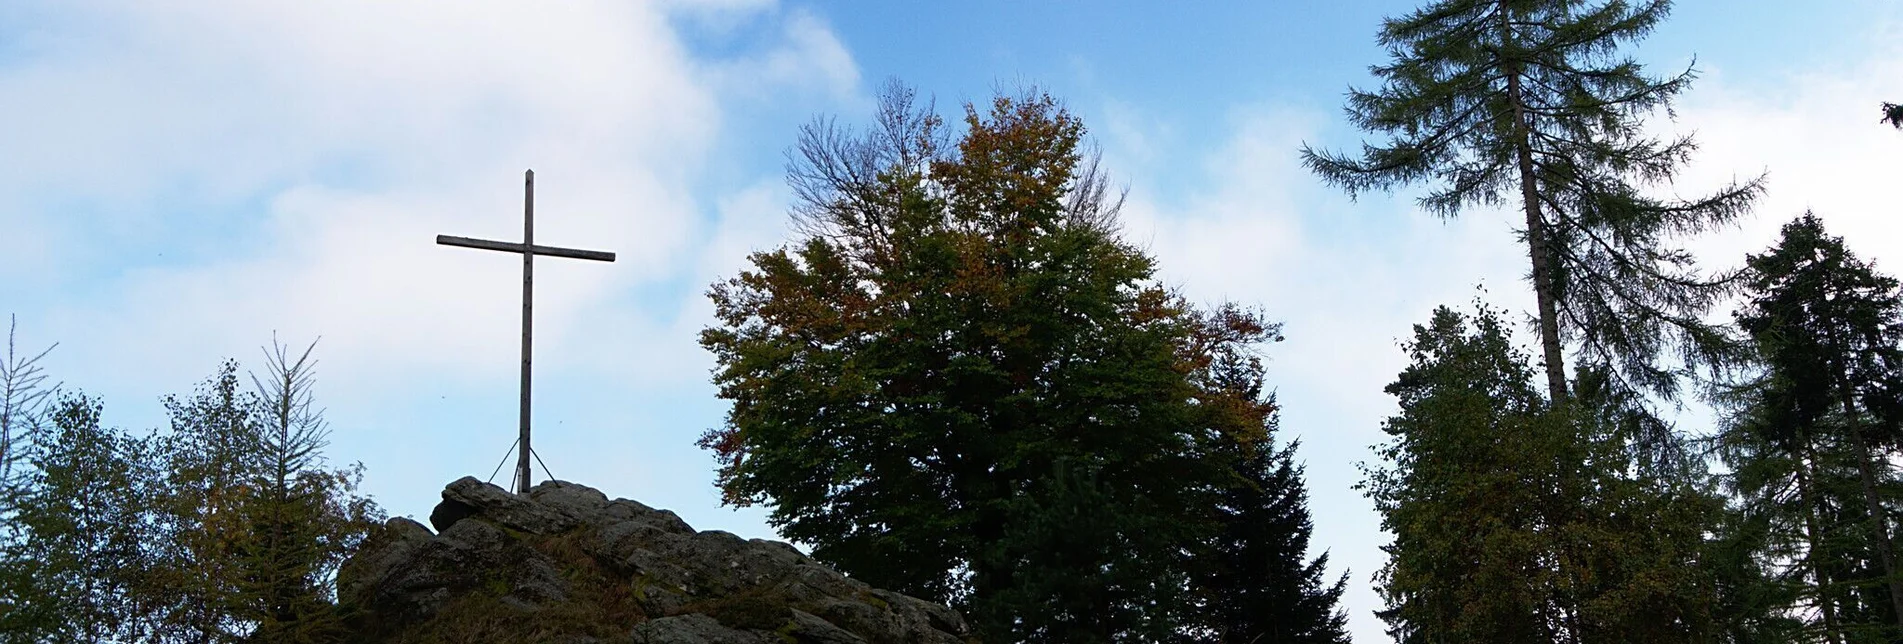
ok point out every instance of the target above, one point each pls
(1829, 331)
(1531, 102)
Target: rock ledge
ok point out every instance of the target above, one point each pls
(566, 564)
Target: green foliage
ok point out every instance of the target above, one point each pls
(78, 539)
(962, 386)
(255, 525)
(1829, 330)
(1893, 114)
(1532, 102)
(1752, 601)
(1813, 428)
(1250, 576)
(1253, 575)
(1516, 521)
(1804, 502)
(1069, 523)
(225, 528)
(302, 519)
(209, 458)
(23, 413)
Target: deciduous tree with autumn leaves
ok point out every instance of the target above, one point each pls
(961, 384)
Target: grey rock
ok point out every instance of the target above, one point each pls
(468, 496)
(393, 545)
(569, 497)
(670, 522)
(566, 563)
(617, 542)
(411, 580)
(447, 513)
(692, 628)
(810, 629)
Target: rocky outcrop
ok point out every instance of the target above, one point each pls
(566, 564)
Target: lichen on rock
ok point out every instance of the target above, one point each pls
(564, 563)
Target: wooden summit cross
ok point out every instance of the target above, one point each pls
(529, 250)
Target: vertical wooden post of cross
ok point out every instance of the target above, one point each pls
(529, 250)
(528, 323)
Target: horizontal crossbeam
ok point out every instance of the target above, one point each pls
(512, 247)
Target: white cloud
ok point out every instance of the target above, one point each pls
(446, 100)
(660, 350)
(294, 162)
(812, 59)
(1819, 139)
(751, 220)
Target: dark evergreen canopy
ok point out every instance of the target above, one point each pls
(1823, 418)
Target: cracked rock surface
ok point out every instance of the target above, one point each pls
(564, 563)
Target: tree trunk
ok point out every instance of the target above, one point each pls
(1833, 633)
(1867, 477)
(1880, 520)
(1536, 233)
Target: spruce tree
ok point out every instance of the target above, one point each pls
(1259, 583)
(302, 519)
(1828, 329)
(1254, 579)
(1531, 102)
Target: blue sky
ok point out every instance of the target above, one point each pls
(179, 183)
